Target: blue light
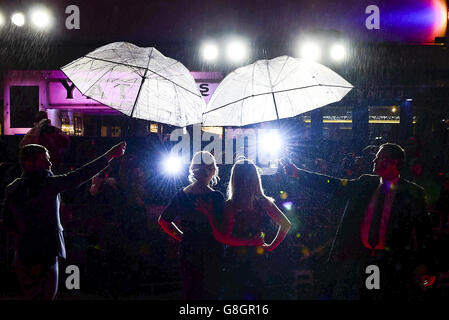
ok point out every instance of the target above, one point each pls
(288, 205)
(172, 164)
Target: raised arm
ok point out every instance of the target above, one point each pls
(284, 225)
(315, 180)
(81, 175)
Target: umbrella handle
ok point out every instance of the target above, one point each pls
(276, 109)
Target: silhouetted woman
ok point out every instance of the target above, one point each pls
(246, 214)
(201, 256)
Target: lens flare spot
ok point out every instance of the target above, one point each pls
(288, 205)
(305, 252)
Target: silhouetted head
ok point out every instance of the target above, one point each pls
(203, 168)
(389, 160)
(245, 184)
(33, 157)
(39, 116)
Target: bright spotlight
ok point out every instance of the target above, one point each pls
(338, 52)
(18, 19)
(41, 18)
(210, 51)
(310, 51)
(172, 164)
(236, 51)
(2, 20)
(270, 142)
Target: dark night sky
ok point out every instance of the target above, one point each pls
(258, 19)
(177, 27)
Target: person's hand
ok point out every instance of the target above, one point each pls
(259, 240)
(267, 247)
(426, 281)
(43, 123)
(97, 182)
(116, 151)
(203, 206)
(291, 170)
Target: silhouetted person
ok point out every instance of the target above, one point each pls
(51, 137)
(246, 215)
(384, 223)
(201, 256)
(31, 214)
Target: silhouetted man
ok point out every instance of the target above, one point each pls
(51, 137)
(383, 224)
(31, 214)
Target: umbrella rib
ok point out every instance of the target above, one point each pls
(71, 63)
(120, 63)
(290, 101)
(288, 74)
(131, 53)
(147, 69)
(176, 84)
(110, 70)
(118, 56)
(272, 93)
(169, 66)
(280, 71)
(269, 76)
(183, 117)
(252, 90)
(252, 78)
(141, 85)
(330, 89)
(286, 90)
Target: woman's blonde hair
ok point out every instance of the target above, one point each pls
(245, 185)
(200, 159)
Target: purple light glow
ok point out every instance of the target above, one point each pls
(55, 93)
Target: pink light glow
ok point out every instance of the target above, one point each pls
(441, 16)
(53, 95)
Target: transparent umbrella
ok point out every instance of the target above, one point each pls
(139, 82)
(273, 89)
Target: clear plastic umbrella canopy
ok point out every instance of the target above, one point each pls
(139, 82)
(273, 89)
